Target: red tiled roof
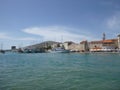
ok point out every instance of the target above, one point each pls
(105, 41)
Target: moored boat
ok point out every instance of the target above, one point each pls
(59, 50)
(2, 51)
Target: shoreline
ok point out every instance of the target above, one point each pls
(70, 52)
(100, 52)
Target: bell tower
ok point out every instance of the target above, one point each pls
(104, 36)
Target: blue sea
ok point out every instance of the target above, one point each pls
(58, 71)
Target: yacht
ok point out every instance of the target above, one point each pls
(59, 50)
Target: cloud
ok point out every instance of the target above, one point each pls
(57, 33)
(113, 22)
(26, 39)
(4, 36)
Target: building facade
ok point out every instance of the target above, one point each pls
(119, 41)
(104, 45)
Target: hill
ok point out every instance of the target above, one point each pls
(41, 45)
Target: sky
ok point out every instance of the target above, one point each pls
(26, 22)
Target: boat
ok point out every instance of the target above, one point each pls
(1, 50)
(32, 51)
(59, 50)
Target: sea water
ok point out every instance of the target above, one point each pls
(58, 71)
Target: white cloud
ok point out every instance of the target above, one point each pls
(114, 22)
(9, 41)
(57, 33)
(26, 39)
(4, 36)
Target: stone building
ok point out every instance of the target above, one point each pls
(84, 46)
(71, 46)
(103, 45)
(67, 44)
(119, 41)
(74, 47)
(77, 47)
(95, 46)
(110, 44)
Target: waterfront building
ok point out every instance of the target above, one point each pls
(13, 47)
(110, 45)
(54, 45)
(84, 46)
(76, 47)
(67, 44)
(95, 45)
(119, 41)
(103, 45)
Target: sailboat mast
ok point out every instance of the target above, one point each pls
(62, 39)
(1, 46)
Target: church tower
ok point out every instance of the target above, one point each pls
(104, 37)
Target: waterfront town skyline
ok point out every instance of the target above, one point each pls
(103, 45)
(76, 46)
(27, 22)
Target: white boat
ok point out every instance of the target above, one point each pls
(59, 50)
